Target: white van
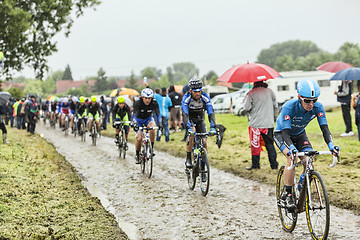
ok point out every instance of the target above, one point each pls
(221, 103)
(237, 107)
(212, 91)
(285, 86)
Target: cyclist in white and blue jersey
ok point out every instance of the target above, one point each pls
(193, 105)
(290, 135)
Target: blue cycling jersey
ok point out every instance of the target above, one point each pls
(293, 116)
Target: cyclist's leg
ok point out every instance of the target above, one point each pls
(91, 120)
(126, 126)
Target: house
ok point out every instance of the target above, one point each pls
(62, 86)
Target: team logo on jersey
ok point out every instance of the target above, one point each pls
(287, 117)
(320, 114)
(306, 143)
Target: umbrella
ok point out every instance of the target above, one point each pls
(53, 98)
(4, 97)
(347, 74)
(249, 72)
(178, 88)
(113, 93)
(128, 91)
(333, 66)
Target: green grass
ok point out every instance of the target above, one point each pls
(41, 196)
(343, 181)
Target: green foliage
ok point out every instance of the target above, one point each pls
(33, 86)
(184, 70)
(15, 92)
(132, 82)
(349, 53)
(151, 73)
(170, 75)
(27, 29)
(57, 75)
(67, 73)
(101, 83)
(112, 83)
(48, 86)
(163, 82)
(20, 79)
(81, 91)
(210, 78)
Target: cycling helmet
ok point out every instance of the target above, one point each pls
(93, 98)
(147, 92)
(66, 100)
(82, 99)
(121, 99)
(195, 84)
(308, 88)
(75, 99)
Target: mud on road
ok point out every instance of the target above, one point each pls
(163, 207)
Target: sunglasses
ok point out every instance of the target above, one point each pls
(309, 100)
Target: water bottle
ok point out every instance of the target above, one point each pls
(301, 180)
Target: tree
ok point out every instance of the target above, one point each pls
(132, 82)
(112, 83)
(67, 73)
(101, 83)
(163, 82)
(294, 48)
(15, 92)
(57, 75)
(33, 86)
(170, 75)
(349, 53)
(184, 70)
(48, 86)
(149, 73)
(210, 78)
(27, 29)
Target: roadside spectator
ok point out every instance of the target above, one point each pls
(344, 98)
(164, 103)
(1, 60)
(175, 111)
(33, 113)
(105, 111)
(357, 109)
(261, 105)
(8, 111)
(20, 116)
(2, 124)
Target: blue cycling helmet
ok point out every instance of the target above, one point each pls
(308, 88)
(147, 92)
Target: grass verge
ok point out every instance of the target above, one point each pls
(41, 196)
(342, 182)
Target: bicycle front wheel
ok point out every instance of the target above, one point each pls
(204, 174)
(288, 220)
(124, 144)
(120, 145)
(317, 207)
(148, 160)
(66, 126)
(93, 135)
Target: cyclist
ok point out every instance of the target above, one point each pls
(73, 103)
(290, 136)
(143, 111)
(81, 112)
(64, 110)
(94, 112)
(1, 60)
(121, 112)
(193, 105)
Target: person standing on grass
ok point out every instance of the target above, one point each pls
(164, 104)
(175, 111)
(344, 98)
(33, 114)
(261, 105)
(357, 108)
(2, 124)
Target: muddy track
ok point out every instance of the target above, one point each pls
(163, 207)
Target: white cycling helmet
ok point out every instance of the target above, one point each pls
(66, 100)
(147, 92)
(75, 99)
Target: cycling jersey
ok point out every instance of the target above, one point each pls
(81, 109)
(194, 109)
(143, 111)
(72, 107)
(118, 112)
(93, 109)
(65, 108)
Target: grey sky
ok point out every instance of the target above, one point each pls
(122, 36)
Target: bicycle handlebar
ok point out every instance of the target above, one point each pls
(314, 153)
(123, 122)
(147, 128)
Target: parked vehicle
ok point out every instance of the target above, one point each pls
(237, 106)
(212, 91)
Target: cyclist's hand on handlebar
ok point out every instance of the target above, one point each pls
(336, 151)
(292, 152)
(212, 131)
(136, 127)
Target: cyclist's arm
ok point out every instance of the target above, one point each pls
(209, 109)
(157, 111)
(185, 111)
(286, 138)
(128, 112)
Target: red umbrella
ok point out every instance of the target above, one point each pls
(249, 72)
(333, 67)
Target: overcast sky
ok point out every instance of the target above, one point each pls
(122, 36)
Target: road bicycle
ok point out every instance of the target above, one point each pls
(146, 152)
(201, 166)
(310, 196)
(122, 142)
(82, 129)
(66, 125)
(94, 133)
(75, 126)
(53, 121)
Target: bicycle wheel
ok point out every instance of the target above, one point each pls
(288, 220)
(148, 160)
(120, 145)
(66, 126)
(82, 131)
(317, 207)
(93, 134)
(204, 174)
(142, 159)
(124, 144)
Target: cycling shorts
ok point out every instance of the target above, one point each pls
(144, 122)
(97, 117)
(301, 142)
(65, 111)
(125, 119)
(200, 126)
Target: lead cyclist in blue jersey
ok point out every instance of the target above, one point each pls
(193, 105)
(290, 135)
